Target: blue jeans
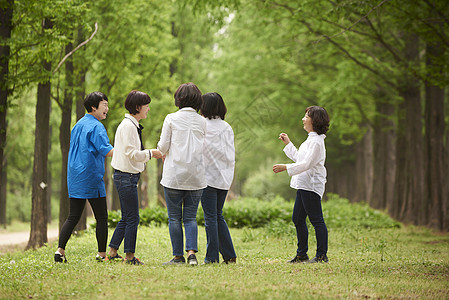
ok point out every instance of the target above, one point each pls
(217, 231)
(182, 206)
(126, 184)
(309, 204)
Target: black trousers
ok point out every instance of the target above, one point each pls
(100, 210)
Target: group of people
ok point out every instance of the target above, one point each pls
(198, 166)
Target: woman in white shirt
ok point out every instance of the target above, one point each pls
(182, 140)
(308, 177)
(128, 162)
(219, 158)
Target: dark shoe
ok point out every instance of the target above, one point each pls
(134, 261)
(175, 261)
(100, 258)
(299, 259)
(116, 258)
(232, 260)
(319, 259)
(191, 260)
(59, 258)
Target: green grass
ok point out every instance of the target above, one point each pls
(405, 262)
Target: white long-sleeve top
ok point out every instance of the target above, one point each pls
(308, 171)
(219, 154)
(128, 156)
(182, 141)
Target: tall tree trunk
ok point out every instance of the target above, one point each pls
(49, 178)
(410, 179)
(383, 154)
(434, 140)
(446, 182)
(6, 11)
(3, 191)
(364, 168)
(144, 189)
(38, 233)
(64, 137)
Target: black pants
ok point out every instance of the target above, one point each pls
(100, 210)
(308, 204)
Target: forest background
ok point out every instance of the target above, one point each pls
(380, 68)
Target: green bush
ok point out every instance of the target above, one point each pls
(253, 213)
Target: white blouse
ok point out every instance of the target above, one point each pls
(219, 154)
(308, 171)
(182, 141)
(127, 154)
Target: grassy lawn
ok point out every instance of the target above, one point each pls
(406, 262)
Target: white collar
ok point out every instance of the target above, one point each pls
(131, 117)
(188, 109)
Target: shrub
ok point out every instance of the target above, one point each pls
(253, 212)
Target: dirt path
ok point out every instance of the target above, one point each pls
(17, 241)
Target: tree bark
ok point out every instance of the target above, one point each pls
(6, 12)
(38, 233)
(435, 125)
(383, 154)
(410, 167)
(64, 137)
(364, 168)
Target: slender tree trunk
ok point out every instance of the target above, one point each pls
(435, 125)
(6, 12)
(38, 234)
(3, 191)
(364, 168)
(446, 183)
(144, 189)
(410, 182)
(383, 154)
(64, 137)
(49, 178)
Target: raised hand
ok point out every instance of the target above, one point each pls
(284, 137)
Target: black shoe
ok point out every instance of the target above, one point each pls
(299, 259)
(59, 258)
(191, 260)
(232, 260)
(319, 259)
(175, 261)
(134, 261)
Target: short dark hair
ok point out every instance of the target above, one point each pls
(93, 100)
(320, 119)
(135, 100)
(188, 95)
(213, 106)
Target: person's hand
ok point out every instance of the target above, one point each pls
(279, 168)
(156, 153)
(284, 137)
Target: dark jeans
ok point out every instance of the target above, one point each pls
(217, 231)
(309, 204)
(100, 210)
(126, 184)
(182, 206)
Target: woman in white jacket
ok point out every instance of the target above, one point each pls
(219, 158)
(308, 178)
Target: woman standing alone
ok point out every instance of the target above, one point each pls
(308, 178)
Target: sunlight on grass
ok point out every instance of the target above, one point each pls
(382, 263)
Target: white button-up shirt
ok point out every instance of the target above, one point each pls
(219, 154)
(308, 171)
(182, 141)
(128, 156)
